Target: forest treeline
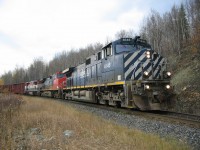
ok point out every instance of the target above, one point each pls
(40, 69)
(169, 34)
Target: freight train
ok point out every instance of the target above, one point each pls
(124, 73)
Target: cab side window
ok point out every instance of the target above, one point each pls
(99, 56)
(108, 51)
(102, 54)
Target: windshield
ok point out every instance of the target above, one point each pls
(124, 48)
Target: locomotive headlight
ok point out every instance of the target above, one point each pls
(148, 54)
(146, 73)
(147, 87)
(169, 73)
(168, 86)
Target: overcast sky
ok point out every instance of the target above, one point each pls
(40, 28)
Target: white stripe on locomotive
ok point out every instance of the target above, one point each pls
(131, 58)
(134, 65)
(157, 69)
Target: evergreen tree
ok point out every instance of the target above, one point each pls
(183, 25)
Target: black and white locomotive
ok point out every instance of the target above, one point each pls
(125, 73)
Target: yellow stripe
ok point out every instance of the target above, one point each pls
(95, 85)
(130, 107)
(49, 90)
(116, 83)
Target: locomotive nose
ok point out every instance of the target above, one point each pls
(137, 64)
(145, 64)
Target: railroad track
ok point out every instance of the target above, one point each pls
(189, 120)
(181, 118)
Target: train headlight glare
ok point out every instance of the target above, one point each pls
(148, 52)
(148, 56)
(169, 73)
(147, 87)
(167, 86)
(146, 73)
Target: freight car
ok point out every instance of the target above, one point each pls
(17, 88)
(125, 73)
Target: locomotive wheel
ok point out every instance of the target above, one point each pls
(63, 96)
(52, 94)
(97, 99)
(118, 104)
(107, 102)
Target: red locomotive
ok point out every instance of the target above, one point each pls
(53, 85)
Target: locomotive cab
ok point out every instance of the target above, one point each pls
(114, 52)
(58, 80)
(124, 45)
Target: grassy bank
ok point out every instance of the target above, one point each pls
(186, 72)
(46, 124)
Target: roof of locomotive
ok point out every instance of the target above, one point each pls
(136, 41)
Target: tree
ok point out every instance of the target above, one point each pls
(183, 25)
(18, 75)
(37, 69)
(125, 34)
(193, 11)
(152, 30)
(7, 77)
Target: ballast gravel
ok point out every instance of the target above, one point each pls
(191, 136)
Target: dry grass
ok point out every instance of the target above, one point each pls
(9, 104)
(183, 78)
(9, 101)
(52, 118)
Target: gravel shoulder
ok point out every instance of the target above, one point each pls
(191, 136)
